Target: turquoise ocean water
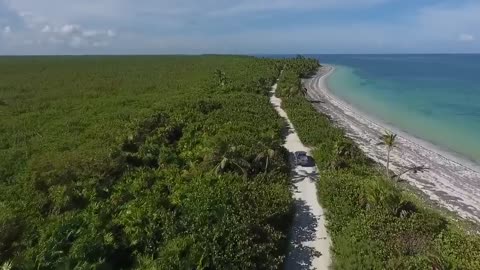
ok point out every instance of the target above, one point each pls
(432, 97)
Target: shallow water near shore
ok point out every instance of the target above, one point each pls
(432, 97)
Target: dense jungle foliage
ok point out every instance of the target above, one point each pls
(141, 163)
(289, 83)
(373, 223)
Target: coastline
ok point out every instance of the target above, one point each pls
(453, 156)
(451, 181)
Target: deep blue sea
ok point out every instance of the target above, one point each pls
(432, 97)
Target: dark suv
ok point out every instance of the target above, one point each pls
(301, 158)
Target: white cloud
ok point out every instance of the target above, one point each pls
(55, 41)
(7, 30)
(91, 33)
(81, 10)
(111, 33)
(444, 22)
(100, 44)
(31, 20)
(96, 33)
(35, 31)
(73, 18)
(185, 26)
(466, 37)
(78, 42)
(78, 37)
(246, 6)
(46, 29)
(69, 29)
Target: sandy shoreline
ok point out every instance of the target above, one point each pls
(451, 181)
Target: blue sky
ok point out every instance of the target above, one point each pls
(241, 26)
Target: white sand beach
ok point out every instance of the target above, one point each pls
(450, 181)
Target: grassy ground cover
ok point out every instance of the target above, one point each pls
(373, 223)
(141, 163)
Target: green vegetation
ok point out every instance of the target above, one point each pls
(373, 223)
(176, 163)
(141, 163)
(289, 84)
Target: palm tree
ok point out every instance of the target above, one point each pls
(230, 157)
(389, 140)
(7, 266)
(304, 92)
(267, 154)
(221, 77)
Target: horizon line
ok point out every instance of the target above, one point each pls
(234, 54)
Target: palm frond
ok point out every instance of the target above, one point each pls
(7, 266)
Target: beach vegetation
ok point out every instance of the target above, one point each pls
(221, 78)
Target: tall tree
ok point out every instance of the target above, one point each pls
(265, 155)
(230, 158)
(389, 141)
(304, 92)
(221, 77)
